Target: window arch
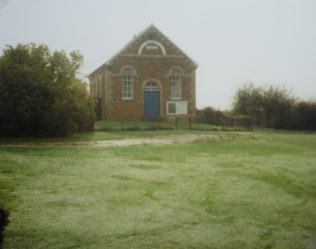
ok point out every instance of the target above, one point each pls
(152, 42)
(152, 85)
(127, 84)
(176, 84)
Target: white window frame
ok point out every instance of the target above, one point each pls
(176, 85)
(127, 84)
(152, 86)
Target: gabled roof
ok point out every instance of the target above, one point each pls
(152, 27)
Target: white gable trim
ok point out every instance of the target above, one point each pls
(140, 50)
(110, 61)
(181, 51)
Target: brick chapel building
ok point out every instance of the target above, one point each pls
(150, 78)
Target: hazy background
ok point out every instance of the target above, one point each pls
(233, 41)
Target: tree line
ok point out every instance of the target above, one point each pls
(40, 93)
(268, 107)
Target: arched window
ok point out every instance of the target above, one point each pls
(152, 86)
(127, 84)
(176, 85)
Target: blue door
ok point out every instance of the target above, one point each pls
(152, 104)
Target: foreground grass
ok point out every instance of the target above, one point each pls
(246, 192)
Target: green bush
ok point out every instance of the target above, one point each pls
(274, 107)
(40, 94)
(270, 107)
(305, 116)
(243, 121)
(216, 117)
(210, 116)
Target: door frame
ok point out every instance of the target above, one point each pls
(161, 95)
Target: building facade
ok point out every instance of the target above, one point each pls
(150, 78)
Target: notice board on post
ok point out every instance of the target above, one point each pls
(177, 107)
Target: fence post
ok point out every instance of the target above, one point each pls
(176, 123)
(190, 123)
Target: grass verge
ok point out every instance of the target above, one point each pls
(250, 192)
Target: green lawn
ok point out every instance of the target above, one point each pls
(251, 191)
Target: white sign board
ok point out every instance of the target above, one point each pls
(177, 107)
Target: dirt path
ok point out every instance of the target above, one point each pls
(124, 142)
(155, 140)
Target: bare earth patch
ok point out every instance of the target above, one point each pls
(170, 139)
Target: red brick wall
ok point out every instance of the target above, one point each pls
(146, 68)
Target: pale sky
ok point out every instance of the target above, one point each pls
(267, 42)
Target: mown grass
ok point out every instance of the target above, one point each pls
(250, 191)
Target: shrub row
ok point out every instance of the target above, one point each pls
(216, 117)
(275, 107)
(300, 116)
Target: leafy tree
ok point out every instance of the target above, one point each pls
(278, 105)
(270, 107)
(40, 93)
(210, 116)
(305, 116)
(248, 101)
(216, 117)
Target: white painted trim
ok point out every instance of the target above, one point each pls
(127, 67)
(153, 55)
(151, 79)
(140, 50)
(176, 68)
(151, 27)
(152, 88)
(123, 81)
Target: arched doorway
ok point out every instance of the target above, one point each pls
(152, 100)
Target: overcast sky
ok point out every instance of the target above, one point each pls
(233, 41)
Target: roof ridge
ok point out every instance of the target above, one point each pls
(128, 44)
(177, 47)
(151, 26)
